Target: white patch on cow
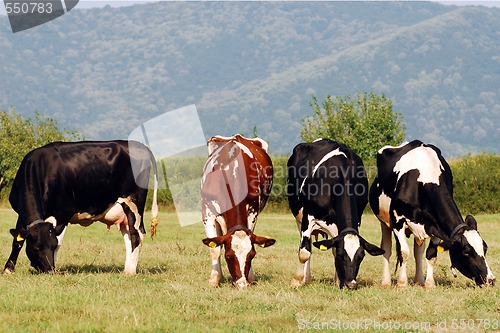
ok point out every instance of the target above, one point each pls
(263, 143)
(318, 139)
(399, 217)
(331, 154)
(418, 231)
(51, 219)
(216, 206)
(132, 206)
(251, 217)
(132, 257)
(113, 215)
(423, 159)
(241, 245)
(59, 243)
(381, 150)
(235, 169)
(475, 241)
(232, 151)
(351, 245)
(245, 149)
(384, 203)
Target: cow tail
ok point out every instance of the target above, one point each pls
(154, 206)
(399, 255)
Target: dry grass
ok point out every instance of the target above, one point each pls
(170, 293)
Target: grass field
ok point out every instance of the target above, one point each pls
(171, 294)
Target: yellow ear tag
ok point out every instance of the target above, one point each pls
(262, 245)
(323, 247)
(440, 248)
(19, 238)
(212, 244)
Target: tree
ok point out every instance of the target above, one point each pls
(364, 124)
(20, 135)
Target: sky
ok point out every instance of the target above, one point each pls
(95, 3)
(82, 4)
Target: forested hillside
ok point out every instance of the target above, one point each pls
(104, 71)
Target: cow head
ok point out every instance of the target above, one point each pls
(239, 252)
(349, 253)
(468, 253)
(41, 244)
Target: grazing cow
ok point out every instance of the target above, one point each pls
(413, 194)
(327, 193)
(80, 183)
(237, 180)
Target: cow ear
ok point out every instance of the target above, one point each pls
(59, 229)
(326, 243)
(370, 248)
(214, 242)
(471, 222)
(436, 232)
(262, 241)
(444, 246)
(19, 235)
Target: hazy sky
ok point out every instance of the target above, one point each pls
(95, 3)
(118, 3)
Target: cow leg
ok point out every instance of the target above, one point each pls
(418, 253)
(59, 243)
(303, 273)
(212, 231)
(431, 257)
(251, 222)
(10, 265)
(405, 252)
(17, 245)
(386, 245)
(133, 238)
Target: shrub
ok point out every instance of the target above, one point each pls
(476, 182)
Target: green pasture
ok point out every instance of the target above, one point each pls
(170, 292)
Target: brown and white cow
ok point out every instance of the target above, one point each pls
(237, 180)
(413, 194)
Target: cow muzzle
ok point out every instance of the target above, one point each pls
(351, 285)
(241, 283)
(490, 281)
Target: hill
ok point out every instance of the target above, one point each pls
(104, 71)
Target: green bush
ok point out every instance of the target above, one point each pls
(476, 182)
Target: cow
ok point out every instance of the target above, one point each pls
(80, 183)
(327, 193)
(236, 183)
(413, 194)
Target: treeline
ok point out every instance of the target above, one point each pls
(476, 183)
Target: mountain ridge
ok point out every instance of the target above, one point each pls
(104, 71)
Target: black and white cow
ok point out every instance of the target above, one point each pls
(80, 182)
(327, 193)
(413, 194)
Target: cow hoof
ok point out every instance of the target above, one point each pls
(213, 284)
(7, 271)
(429, 285)
(402, 285)
(297, 283)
